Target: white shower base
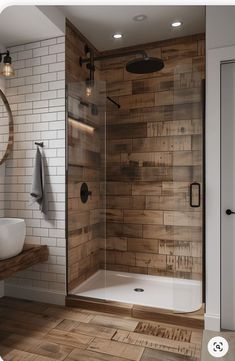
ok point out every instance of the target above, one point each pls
(176, 294)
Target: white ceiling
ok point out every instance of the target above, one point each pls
(98, 23)
(25, 24)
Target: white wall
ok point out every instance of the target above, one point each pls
(220, 26)
(220, 30)
(55, 15)
(37, 99)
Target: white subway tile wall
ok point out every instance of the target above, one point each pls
(2, 186)
(2, 172)
(37, 98)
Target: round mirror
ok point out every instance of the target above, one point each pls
(6, 128)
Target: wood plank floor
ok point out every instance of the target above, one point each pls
(32, 331)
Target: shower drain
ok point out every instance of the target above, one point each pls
(138, 289)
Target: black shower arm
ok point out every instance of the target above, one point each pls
(112, 56)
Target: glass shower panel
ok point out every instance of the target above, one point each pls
(86, 224)
(185, 215)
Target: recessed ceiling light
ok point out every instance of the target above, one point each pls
(176, 24)
(140, 17)
(117, 35)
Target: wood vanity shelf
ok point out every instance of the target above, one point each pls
(30, 255)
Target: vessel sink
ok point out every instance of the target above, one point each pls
(12, 237)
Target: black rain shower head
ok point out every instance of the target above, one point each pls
(141, 65)
(144, 65)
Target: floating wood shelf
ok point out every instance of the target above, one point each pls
(30, 255)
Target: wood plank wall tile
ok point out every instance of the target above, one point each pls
(154, 151)
(154, 146)
(85, 158)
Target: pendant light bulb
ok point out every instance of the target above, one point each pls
(88, 91)
(7, 69)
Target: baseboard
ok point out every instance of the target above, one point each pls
(212, 322)
(35, 294)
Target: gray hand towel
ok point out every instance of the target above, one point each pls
(38, 184)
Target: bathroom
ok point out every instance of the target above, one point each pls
(119, 129)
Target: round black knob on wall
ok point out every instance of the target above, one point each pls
(84, 193)
(228, 212)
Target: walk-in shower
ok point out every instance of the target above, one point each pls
(138, 236)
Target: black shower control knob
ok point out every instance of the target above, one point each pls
(84, 193)
(228, 212)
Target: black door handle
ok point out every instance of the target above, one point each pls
(228, 212)
(193, 187)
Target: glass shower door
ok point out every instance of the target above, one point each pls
(86, 183)
(185, 217)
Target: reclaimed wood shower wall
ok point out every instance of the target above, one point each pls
(154, 151)
(85, 228)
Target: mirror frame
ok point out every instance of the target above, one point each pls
(11, 128)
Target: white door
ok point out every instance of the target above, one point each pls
(227, 196)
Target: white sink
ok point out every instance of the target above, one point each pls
(12, 236)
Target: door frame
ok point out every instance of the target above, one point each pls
(213, 184)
